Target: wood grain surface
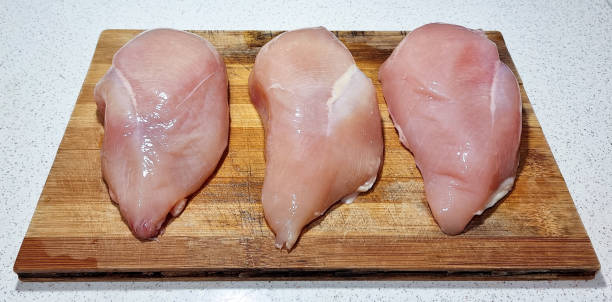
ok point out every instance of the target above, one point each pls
(77, 233)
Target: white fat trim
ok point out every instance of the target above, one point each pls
(127, 86)
(492, 93)
(363, 188)
(400, 132)
(341, 84)
(402, 138)
(367, 185)
(350, 198)
(501, 191)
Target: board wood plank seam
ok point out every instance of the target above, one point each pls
(76, 232)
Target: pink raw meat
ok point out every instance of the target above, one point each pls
(457, 107)
(165, 108)
(322, 124)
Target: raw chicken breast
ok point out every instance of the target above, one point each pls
(322, 124)
(457, 107)
(165, 108)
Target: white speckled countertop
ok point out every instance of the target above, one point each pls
(563, 52)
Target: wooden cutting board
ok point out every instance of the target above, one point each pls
(77, 233)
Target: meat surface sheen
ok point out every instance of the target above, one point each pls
(165, 110)
(457, 107)
(322, 125)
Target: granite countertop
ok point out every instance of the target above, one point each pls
(563, 52)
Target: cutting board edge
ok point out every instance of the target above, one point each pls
(315, 275)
